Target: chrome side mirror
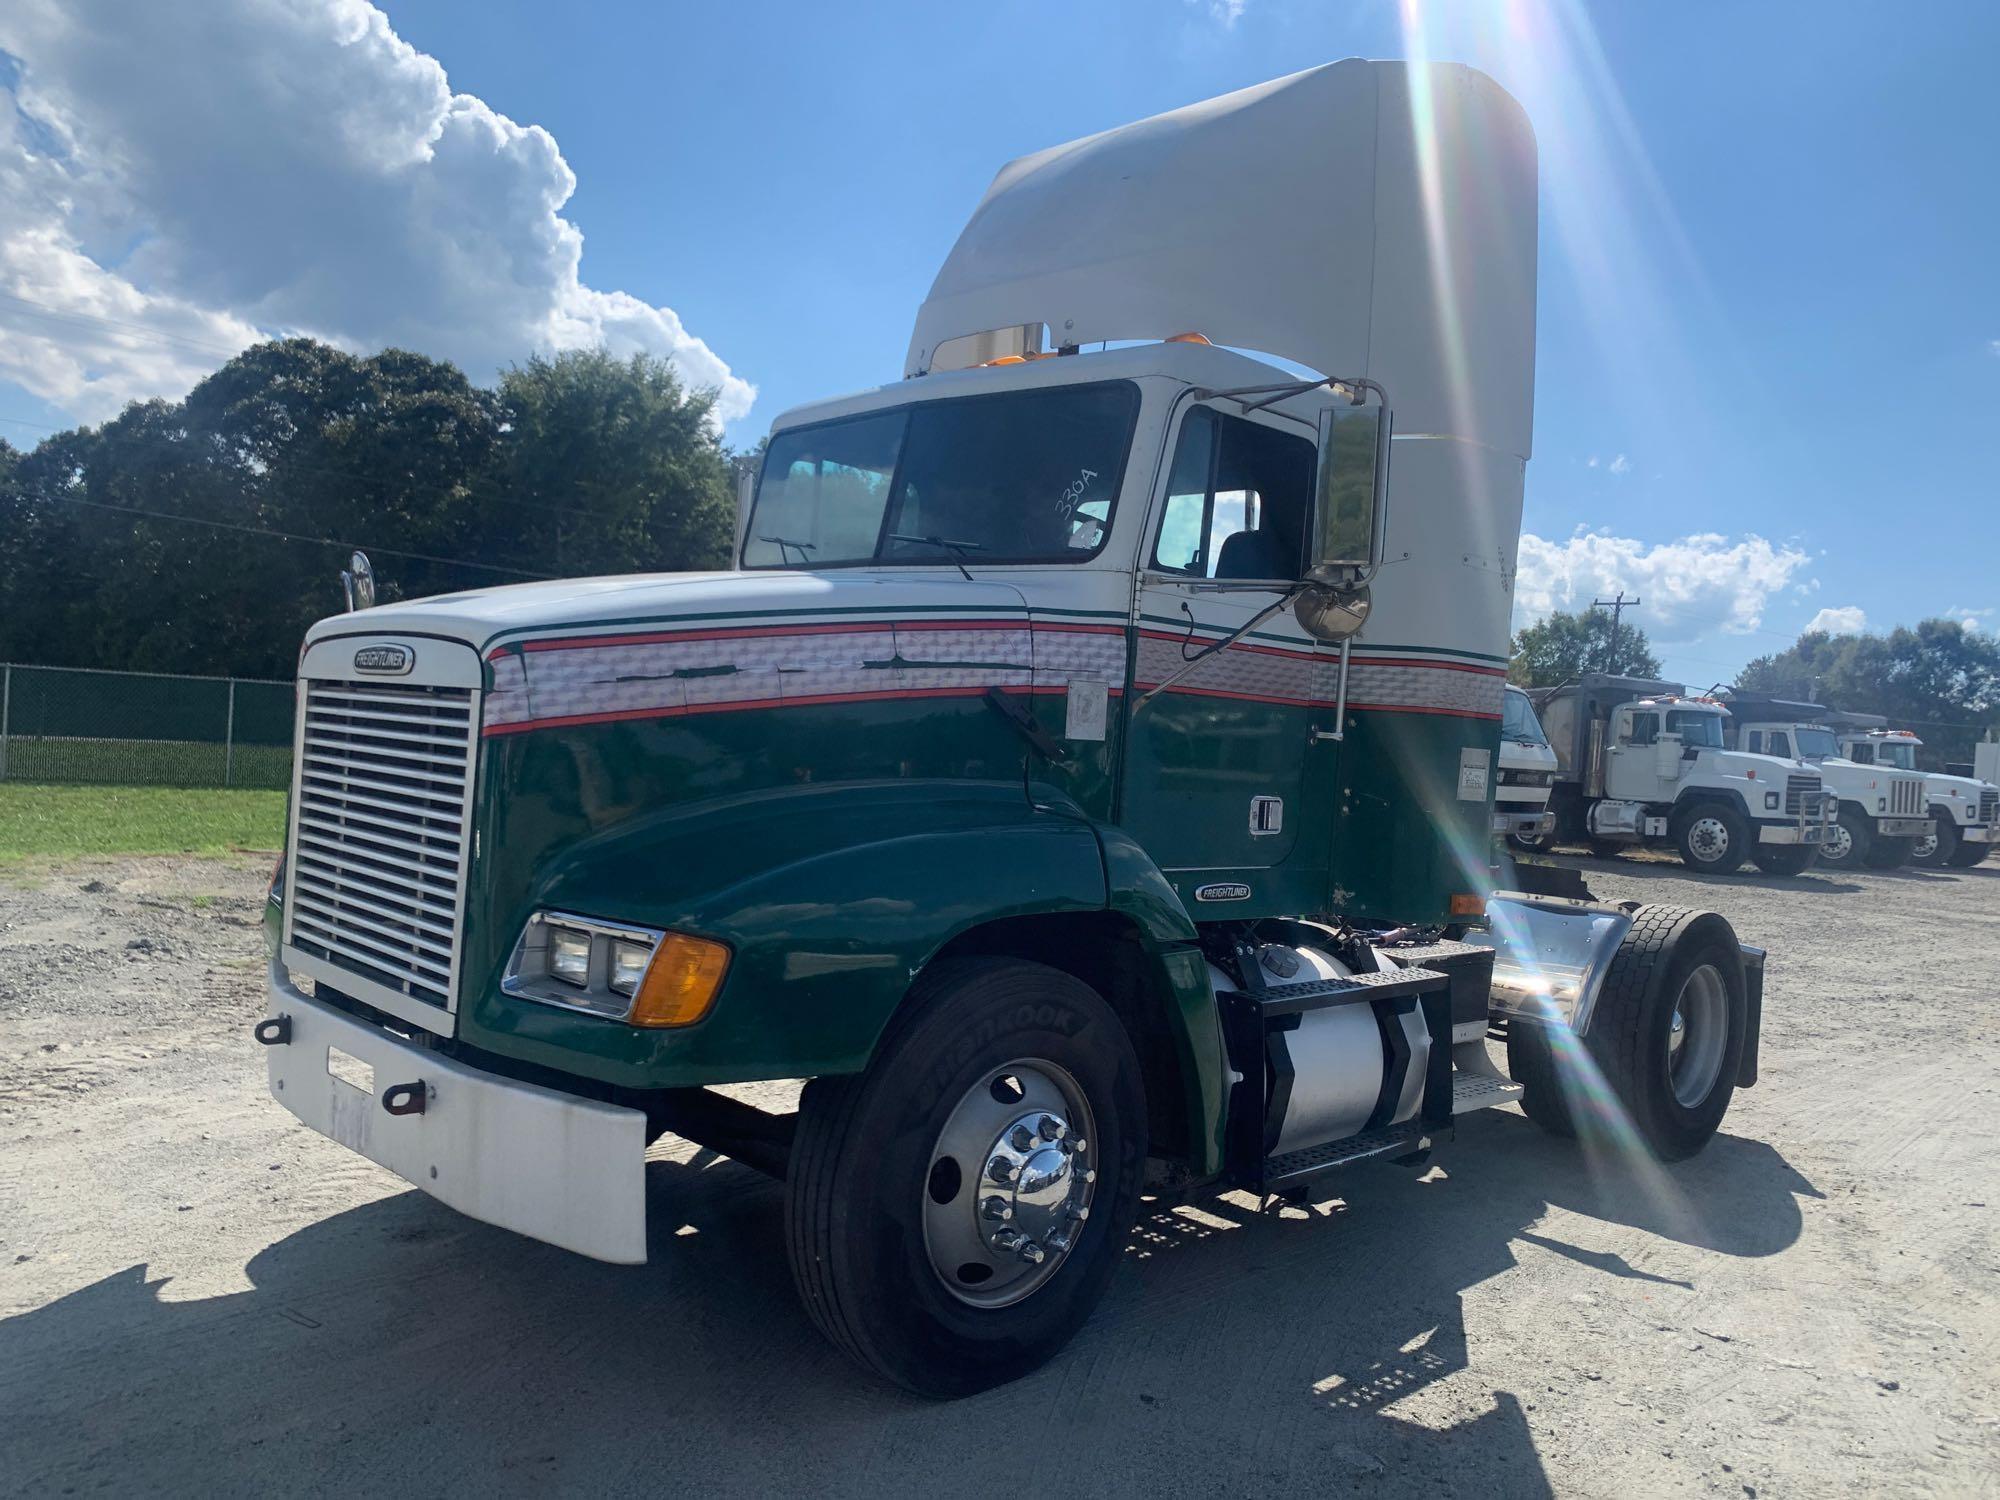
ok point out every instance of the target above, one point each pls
(1350, 491)
(1329, 613)
(357, 583)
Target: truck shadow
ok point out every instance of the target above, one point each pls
(397, 1344)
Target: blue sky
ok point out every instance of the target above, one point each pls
(1769, 301)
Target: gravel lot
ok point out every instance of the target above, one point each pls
(199, 1296)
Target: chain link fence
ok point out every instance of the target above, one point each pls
(143, 729)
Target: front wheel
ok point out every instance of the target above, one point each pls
(954, 1213)
(1850, 839)
(1968, 854)
(1934, 851)
(1785, 859)
(1713, 837)
(1664, 1045)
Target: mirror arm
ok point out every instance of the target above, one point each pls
(1222, 645)
(1357, 386)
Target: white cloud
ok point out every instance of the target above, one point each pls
(1591, 462)
(1993, 347)
(1225, 13)
(1621, 465)
(1697, 586)
(174, 184)
(1971, 619)
(1845, 619)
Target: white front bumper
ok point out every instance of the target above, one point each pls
(542, 1163)
(1982, 833)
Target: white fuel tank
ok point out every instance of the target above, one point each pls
(1338, 1061)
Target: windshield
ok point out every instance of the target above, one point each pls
(1815, 744)
(1703, 730)
(1902, 757)
(1518, 721)
(1029, 476)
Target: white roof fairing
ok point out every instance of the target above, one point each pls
(1362, 218)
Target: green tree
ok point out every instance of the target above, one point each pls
(204, 535)
(1565, 646)
(1939, 679)
(618, 463)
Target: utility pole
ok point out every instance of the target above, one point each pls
(1617, 607)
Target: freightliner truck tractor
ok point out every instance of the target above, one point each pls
(1527, 773)
(1882, 812)
(1083, 779)
(1965, 812)
(1642, 763)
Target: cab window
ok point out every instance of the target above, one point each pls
(1239, 498)
(1780, 745)
(1700, 729)
(1862, 755)
(1645, 728)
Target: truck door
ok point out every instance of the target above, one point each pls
(1215, 765)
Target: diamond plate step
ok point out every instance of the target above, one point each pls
(1470, 1092)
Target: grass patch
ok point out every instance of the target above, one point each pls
(59, 822)
(190, 763)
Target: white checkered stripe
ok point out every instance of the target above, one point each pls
(642, 677)
(1416, 685)
(1243, 671)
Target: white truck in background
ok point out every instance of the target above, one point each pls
(1527, 775)
(1882, 811)
(1965, 811)
(1641, 762)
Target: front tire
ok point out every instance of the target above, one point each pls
(1967, 854)
(1850, 838)
(1937, 851)
(1785, 860)
(1666, 1037)
(1713, 837)
(894, 1216)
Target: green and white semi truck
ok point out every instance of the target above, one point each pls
(1084, 779)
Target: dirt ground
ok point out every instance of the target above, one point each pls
(197, 1295)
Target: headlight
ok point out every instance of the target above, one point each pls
(1770, 800)
(569, 955)
(1881, 804)
(640, 975)
(628, 966)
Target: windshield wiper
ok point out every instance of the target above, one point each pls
(946, 544)
(782, 542)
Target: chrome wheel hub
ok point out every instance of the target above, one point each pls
(1925, 846)
(1696, 1036)
(1010, 1183)
(1837, 844)
(1709, 838)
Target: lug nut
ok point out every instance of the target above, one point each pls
(1090, 1177)
(1059, 1241)
(1078, 1144)
(1008, 1239)
(1022, 1139)
(1032, 1253)
(996, 1209)
(1080, 1212)
(1000, 1169)
(1049, 1128)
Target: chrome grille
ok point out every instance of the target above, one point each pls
(1802, 795)
(1906, 796)
(379, 832)
(1989, 805)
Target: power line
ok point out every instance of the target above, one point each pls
(289, 536)
(133, 330)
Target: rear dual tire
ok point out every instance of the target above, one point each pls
(1665, 1040)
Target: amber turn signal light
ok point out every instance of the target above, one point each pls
(1465, 904)
(681, 982)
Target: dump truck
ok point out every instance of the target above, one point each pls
(1642, 762)
(1965, 811)
(1881, 812)
(1082, 780)
(1527, 775)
